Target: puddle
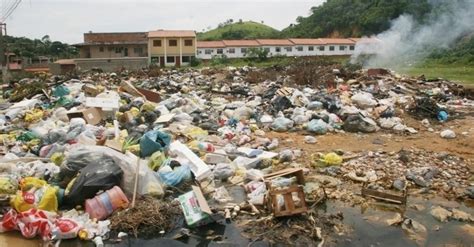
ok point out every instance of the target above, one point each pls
(368, 228)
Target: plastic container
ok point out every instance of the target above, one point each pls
(103, 205)
(206, 147)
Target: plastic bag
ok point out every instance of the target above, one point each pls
(282, 124)
(364, 100)
(92, 179)
(254, 175)
(149, 183)
(359, 123)
(8, 184)
(223, 171)
(331, 159)
(221, 195)
(176, 176)
(35, 193)
(30, 223)
(318, 126)
(156, 160)
(153, 141)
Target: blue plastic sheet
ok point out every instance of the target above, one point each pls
(153, 141)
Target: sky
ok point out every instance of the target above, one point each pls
(67, 20)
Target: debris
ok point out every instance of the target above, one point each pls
(440, 213)
(448, 134)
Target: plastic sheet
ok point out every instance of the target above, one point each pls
(153, 141)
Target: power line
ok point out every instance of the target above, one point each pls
(11, 10)
(6, 5)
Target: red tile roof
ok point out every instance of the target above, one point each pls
(338, 41)
(274, 42)
(307, 42)
(171, 33)
(210, 44)
(365, 40)
(240, 43)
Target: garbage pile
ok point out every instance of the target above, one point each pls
(85, 157)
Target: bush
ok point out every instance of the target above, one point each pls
(219, 60)
(195, 62)
(257, 54)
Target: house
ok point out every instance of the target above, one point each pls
(308, 47)
(208, 49)
(171, 47)
(113, 45)
(339, 46)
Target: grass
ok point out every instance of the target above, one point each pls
(244, 30)
(463, 74)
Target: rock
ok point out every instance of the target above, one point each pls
(310, 139)
(470, 192)
(286, 155)
(399, 184)
(440, 213)
(461, 215)
(326, 181)
(415, 231)
(417, 207)
(397, 219)
(468, 229)
(448, 134)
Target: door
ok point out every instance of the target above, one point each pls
(178, 61)
(125, 52)
(162, 61)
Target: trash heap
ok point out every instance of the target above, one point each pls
(87, 155)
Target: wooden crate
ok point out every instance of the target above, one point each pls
(290, 206)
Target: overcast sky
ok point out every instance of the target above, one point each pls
(67, 20)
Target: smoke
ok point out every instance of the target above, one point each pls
(408, 41)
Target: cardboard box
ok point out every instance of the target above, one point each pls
(150, 95)
(195, 208)
(200, 169)
(91, 90)
(92, 116)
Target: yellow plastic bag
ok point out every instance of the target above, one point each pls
(35, 193)
(331, 159)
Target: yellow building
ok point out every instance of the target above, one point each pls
(171, 47)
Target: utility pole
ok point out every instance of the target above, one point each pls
(3, 56)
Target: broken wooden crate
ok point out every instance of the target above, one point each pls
(290, 205)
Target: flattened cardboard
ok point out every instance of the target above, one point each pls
(92, 116)
(150, 95)
(104, 103)
(165, 118)
(114, 144)
(91, 90)
(195, 208)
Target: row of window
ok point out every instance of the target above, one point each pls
(172, 59)
(173, 42)
(136, 50)
(278, 49)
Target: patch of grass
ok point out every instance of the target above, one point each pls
(463, 74)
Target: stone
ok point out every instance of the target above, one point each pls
(461, 215)
(440, 213)
(397, 219)
(448, 134)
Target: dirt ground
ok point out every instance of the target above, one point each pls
(462, 145)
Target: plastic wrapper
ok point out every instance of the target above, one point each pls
(35, 193)
(223, 171)
(8, 184)
(317, 126)
(221, 195)
(30, 223)
(282, 124)
(331, 159)
(156, 160)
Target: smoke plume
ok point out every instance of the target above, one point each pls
(408, 41)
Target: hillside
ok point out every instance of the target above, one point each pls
(239, 30)
(31, 48)
(354, 18)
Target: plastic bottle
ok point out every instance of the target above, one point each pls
(103, 205)
(206, 147)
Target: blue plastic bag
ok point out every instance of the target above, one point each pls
(153, 141)
(175, 177)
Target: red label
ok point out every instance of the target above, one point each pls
(29, 197)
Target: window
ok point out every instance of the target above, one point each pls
(310, 48)
(199, 52)
(111, 49)
(138, 50)
(169, 59)
(118, 49)
(288, 49)
(173, 42)
(186, 59)
(208, 51)
(231, 50)
(220, 51)
(331, 48)
(157, 43)
(101, 49)
(277, 49)
(188, 42)
(321, 48)
(351, 47)
(243, 50)
(342, 47)
(299, 48)
(266, 49)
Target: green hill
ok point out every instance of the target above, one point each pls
(354, 18)
(239, 30)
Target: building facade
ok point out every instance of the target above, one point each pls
(277, 47)
(171, 47)
(113, 45)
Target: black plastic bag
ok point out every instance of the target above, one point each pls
(92, 179)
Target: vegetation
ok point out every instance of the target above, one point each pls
(434, 69)
(219, 60)
(461, 54)
(354, 18)
(257, 54)
(31, 48)
(239, 30)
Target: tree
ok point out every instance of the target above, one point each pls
(257, 54)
